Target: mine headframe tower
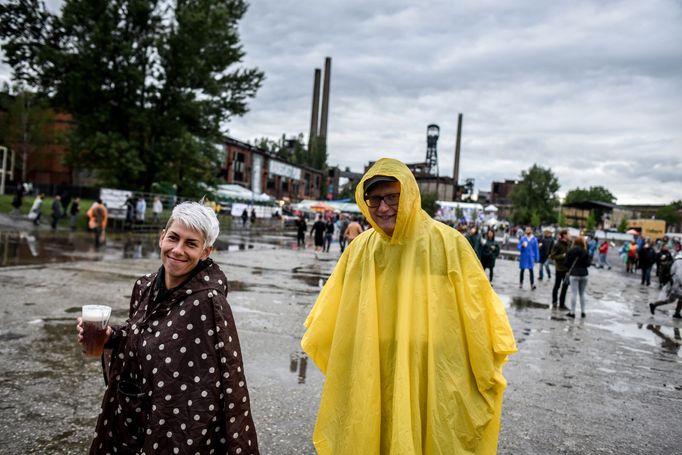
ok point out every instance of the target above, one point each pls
(432, 133)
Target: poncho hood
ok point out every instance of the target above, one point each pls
(410, 199)
(411, 338)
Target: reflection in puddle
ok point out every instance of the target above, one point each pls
(299, 361)
(668, 338)
(671, 345)
(521, 303)
(9, 336)
(237, 286)
(310, 277)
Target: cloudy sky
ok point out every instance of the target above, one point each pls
(589, 88)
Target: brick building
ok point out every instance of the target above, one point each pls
(262, 172)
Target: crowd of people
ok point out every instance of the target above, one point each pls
(64, 206)
(572, 259)
(341, 228)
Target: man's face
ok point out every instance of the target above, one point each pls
(181, 250)
(529, 231)
(384, 215)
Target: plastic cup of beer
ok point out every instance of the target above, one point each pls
(95, 319)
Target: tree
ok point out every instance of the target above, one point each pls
(268, 145)
(459, 213)
(623, 224)
(593, 193)
(149, 84)
(318, 154)
(535, 219)
(670, 213)
(429, 203)
(24, 125)
(535, 193)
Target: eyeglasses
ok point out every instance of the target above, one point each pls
(389, 199)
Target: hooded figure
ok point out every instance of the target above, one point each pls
(409, 334)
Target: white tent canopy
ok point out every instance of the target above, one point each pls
(239, 193)
(339, 207)
(490, 208)
(447, 210)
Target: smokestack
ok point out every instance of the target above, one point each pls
(455, 172)
(325, 99)
(316, 104)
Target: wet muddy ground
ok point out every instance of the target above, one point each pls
(611, 383)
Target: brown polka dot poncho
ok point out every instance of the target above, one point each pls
(176, 380)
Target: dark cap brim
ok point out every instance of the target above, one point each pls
(369, 183)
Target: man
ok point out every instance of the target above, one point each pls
(140, 209)
(545, 246)
(646, 257)
(157, 208)
(409, 334)
(592, 247)
(73, 211)
(353, 230)
(317, 232)
(664, 261)
(675, 290)
(558, 255)
(18, 199)
(474, 240)
(97, 221)
(530, 254)
(343, 225)
(301, 228)
(56, 211)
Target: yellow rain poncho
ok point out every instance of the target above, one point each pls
(411, 338)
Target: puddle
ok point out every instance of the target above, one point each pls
(311, 278)
(9, 336)
(239, 247)
(237, 286)
(521, 303)
(669, 339)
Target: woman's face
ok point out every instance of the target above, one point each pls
(181, 250)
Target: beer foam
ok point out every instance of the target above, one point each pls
(96, 313)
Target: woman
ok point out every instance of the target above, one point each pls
(36, 209)
(578, 259)
(489, 252)
(175, 380)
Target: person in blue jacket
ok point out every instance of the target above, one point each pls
(530, 254)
